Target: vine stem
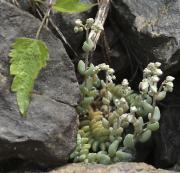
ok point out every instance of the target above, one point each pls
(44, 19)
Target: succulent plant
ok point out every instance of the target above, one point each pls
(113, 118)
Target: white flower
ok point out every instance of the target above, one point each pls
(130, 118)
(116, 102)
(125, 82)
(170, 78)
(133, 109)
(147, 71)
(123, 100)
(150, 65)
(170, 84)
(158, 72)
(153, 88)
(144, 85)
(90, 21)
(113, 77)
(155, 78)
(157, 64)
(111, 71)
(124, 116)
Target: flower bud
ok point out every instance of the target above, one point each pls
(155, 78)
(158, 72)
(133, 109)
(147, 71)
(153, 88)
(144, 86)
(157, 64)
(151, 65)
(123, 100)
(90, 21)
(76, 29)
(125, 82)
(111, 71)
(78, 22)
(113, 77)
(81, 29)
(170, 78)
(170, 84)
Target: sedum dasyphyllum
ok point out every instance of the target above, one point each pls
(113, 118)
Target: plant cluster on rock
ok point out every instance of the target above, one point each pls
(113, 118)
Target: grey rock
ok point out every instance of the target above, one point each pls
(167, 151)
(151, 29)
(121, 167)
(66, 22)
(151, 32)
(47, 135)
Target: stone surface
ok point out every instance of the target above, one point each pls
(163, 149)
(151, 30)
(47, 135)
(167, 152)
(66, 22)
(122, 167)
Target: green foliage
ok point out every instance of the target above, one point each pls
(71, 6)
(113, 118)
(28, 57)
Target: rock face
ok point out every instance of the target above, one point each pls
(168, 140)
(47, 135)
(66, 22)
(116, 168)
(151, 30)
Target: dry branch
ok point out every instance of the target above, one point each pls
(100, 20)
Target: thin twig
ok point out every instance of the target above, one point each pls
(99, 20)
(44, 19)
(57, 30)
(62, 37)
(15, 3)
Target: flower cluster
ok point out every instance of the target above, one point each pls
(149, 84)
(79, 26)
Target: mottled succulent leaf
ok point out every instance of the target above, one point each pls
(103, 159)
(28, 57)
(123, 156)
(129, 141)
(71, 6)
(113, 148)
(156, 114)
(153, 126)
(81, 67)
(145, 136)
